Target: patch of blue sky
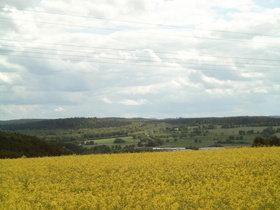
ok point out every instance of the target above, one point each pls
(225, 14)
(268, 4)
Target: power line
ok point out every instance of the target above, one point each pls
(144, 23)
(133, 50)
(205, 62)
(150, 33)
(141, 56)
(157, 65)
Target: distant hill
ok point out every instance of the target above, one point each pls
(20, 121)
(275, 116)
(14, 145)
(228, 121)
(67, 123)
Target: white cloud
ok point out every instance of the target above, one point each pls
(107, 100)
(219, 93)
(59, 109)
(148, 89)
(129, 102)
(260, 90)
(5, 78)
(104, 64)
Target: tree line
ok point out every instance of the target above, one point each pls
(79, 123)
(67, 123)
(228, 122)
(266, 142)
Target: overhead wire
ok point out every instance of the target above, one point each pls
(143, 63)
(136, 58)
(141, 32)
(144, 23)
(133, 50)
(137, 30)
(123, 50)
(147, 65)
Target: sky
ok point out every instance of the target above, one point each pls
(139, 58)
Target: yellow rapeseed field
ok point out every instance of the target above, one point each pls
(244, 178)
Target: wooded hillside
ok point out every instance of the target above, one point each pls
(16, 145)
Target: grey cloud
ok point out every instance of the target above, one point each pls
(20, 4)
(7, 24)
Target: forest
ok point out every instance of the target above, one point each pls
(43, 137)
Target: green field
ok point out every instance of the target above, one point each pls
(213, 135)
(110, 141)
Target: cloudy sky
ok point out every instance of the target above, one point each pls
(139, 58)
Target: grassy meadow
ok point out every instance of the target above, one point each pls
(110, 141)
(243, 178)
(206, 140)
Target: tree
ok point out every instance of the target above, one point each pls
(260, 142)
(231, 137)
(268, 132)
(90, 143)
(139, 144)
(241, 132)
(119, 140)
(100, 149)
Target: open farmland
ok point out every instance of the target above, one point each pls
(244, 178)
(98, 135)
(110, 141)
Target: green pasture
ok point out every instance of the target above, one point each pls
(204, 141)
(219, 134)
(110, 141)
(210, 139)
